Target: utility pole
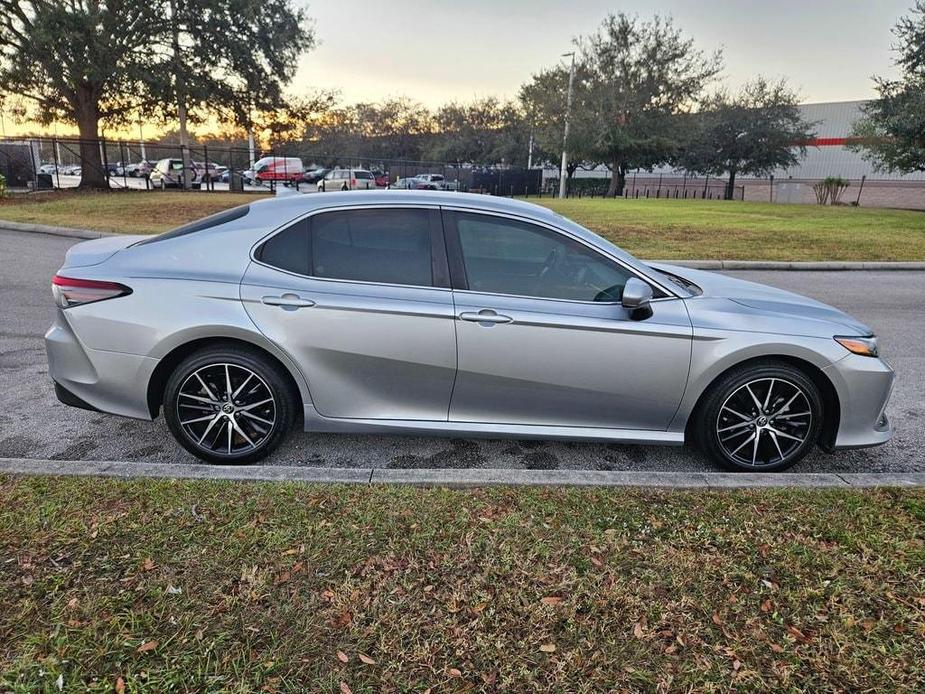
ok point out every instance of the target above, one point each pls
(568, 107)
(181, 95)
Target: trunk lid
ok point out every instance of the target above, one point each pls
(98, 250)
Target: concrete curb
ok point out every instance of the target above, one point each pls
(460, 478)
(827, 265)
(53, 231)
(821, 265)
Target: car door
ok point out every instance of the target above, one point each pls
(542, 336)
(360, 299)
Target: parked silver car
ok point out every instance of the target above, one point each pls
(454, 314)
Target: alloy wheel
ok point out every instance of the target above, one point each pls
(226, 409)
(764, 422)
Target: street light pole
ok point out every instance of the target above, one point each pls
(568, 109)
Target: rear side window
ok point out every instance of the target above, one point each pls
(362, 174)
(384, 246)
(289, 250)
(213, 220)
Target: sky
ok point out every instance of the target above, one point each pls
(435, 51)
(440, 50)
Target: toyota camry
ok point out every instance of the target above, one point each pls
(440, 313)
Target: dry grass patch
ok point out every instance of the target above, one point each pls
(222, 586)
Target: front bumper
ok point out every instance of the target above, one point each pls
(113, 382)
(864, 386)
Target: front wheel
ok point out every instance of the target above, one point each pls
(229, 405)
(763, 417)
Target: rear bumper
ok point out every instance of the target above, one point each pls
(112, 382)
(864, 386)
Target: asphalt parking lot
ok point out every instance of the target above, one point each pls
(33, 424)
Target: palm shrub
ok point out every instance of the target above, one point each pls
(829, 190)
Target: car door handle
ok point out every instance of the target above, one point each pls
(288, 301)
(486, 315)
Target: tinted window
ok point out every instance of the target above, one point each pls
(289, 249)
(205, 223)
(504, 256)
(362, 174)
(388, 246)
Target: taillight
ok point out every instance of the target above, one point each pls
(353, 182)
(69, 291)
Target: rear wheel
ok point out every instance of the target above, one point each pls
(762, 417)
(229, 405)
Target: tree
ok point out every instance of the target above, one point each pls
(753, 132)
(642, 74)
(891, 134)
(89, 62)
(543, 101)
(484, 131)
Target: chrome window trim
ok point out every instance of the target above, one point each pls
(340, 208)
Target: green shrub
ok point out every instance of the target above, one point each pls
(829, 190)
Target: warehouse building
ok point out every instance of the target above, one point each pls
(828, 155)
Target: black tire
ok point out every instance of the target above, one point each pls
(256, 427)
(733, 414)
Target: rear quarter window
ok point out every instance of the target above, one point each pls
(209, 222)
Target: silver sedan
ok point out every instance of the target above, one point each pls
(450, 314)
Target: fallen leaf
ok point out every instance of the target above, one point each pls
(453, 672)
(597, 562)
(282, 578)
(717, 619)
(148, 565)
(366, 659)
(736, 664)
(551, 600)
(548, 648)
(147, 646)
(171, 590)
(776, 648)
(639, 630)
(72, 603)
(766, 606)
(120, 685)
(345, 689)
(343, 657)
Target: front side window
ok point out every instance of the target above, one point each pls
(505, 256)
(385, 246)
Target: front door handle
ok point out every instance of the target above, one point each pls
(288, 301)
(486, 315)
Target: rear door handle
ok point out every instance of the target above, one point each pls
(288, 301)
(486, 315)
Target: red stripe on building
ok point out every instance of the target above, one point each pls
(832, 141)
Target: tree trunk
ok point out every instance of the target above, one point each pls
(617, 180)
(730, 185)
(92, 174)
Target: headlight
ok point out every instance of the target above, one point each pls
(865, 346)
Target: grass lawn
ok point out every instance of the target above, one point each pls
(129, 212)
(159, 585)
(655, 229)
(675, 229)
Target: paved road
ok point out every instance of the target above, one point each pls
(34, 425)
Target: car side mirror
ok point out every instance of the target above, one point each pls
(637, 296)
